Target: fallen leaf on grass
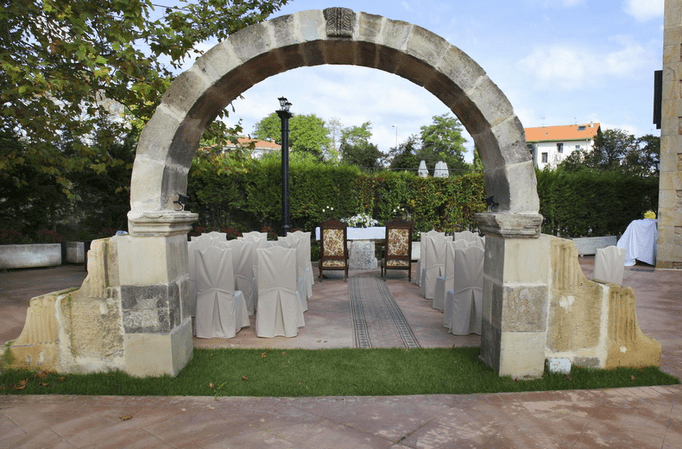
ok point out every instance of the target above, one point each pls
(62, 379)
(41, 375)
(263, 355)
(245, 378)
(284, 353)
(126, 417)
(211, 385)
(632, 377)
(21, 385)
(43, 384)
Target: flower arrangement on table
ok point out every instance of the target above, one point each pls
(360, 221)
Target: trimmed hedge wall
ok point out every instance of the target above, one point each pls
(588, 204)
(248, 197)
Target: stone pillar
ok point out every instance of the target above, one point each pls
(515, 293)
(154, 283)
(669, 251)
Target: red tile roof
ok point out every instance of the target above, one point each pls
(562, 133)
(260, 144)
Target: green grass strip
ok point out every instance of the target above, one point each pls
(330, 372)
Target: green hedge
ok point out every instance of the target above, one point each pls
(248, 197)
(587, 203)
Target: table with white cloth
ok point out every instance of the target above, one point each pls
(639, 241)
(361, 241)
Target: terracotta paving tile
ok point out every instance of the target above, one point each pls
(539, 431)
(600, 434)
(8, 428)
(42, 438)
(345, 437)
(130, 439)
(389, 417)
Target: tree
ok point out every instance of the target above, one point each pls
(644, 158)
(405, 156)
(610, 148)
(617, 150)
(443, 141)
(307, 133)
(356, 148)
(66, 65)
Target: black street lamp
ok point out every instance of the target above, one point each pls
(284, 116)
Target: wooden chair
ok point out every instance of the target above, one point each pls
(398, 247)
(333, 246)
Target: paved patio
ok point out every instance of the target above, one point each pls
(627, 418)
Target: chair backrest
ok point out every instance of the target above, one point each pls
(333, 240)
(468, 268)
(399, 239)
(609, 264)
(214, 269)
(450, 247)
(276, 268)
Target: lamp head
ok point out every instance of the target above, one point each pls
(284, 104)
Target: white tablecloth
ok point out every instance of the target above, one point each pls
(639, 241)
(373, 233)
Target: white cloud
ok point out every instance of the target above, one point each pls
(643, 10)
(572, 67)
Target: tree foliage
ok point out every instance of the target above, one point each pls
(67, 65)
(442, 140)
(356, 149)
(617, 150)
(404, 157)
(307, 133)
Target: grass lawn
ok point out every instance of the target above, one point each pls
(330, 372)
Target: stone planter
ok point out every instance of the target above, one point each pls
(75, 252)
(30, 256)
(588, 246)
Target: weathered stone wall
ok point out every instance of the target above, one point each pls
(669, 250)
(592, 323)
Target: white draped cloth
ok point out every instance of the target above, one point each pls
(609, 264)
(464, 303)
(242, 262)
(434, 264)
(279, 307)
(639, 241)
(221, 311)
(446, 282)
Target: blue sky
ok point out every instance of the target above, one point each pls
(558, 61)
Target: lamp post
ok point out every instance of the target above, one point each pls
(396, 136)
(284, 116)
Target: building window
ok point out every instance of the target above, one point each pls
(560, 147)
(582, 128)
(577, 148)
(544, 158)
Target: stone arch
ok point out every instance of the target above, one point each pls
(155, 306)
(333, 36)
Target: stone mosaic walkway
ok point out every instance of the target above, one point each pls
(377, 319)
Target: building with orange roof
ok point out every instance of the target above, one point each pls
(261, 147)
(550, 145)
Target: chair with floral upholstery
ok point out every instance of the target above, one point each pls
(333, 246)
(398, 247)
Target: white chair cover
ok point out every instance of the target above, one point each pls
(279, 306)
(435, 264)
(259, 241)
(291, 241)
(221, 311)
(305, 261)
(242, 262)
(609, 264)
(639, 240)
(255, 235)
(423, 251)
(445, 282)
(193, 247)
(464, 302)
